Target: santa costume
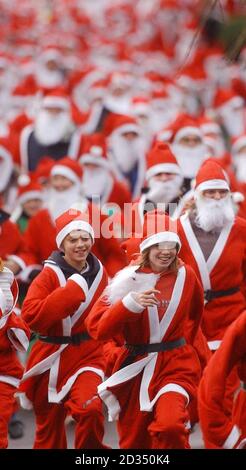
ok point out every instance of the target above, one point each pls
(65, 365)
(14, 335)
(219, 430)
(157, 370)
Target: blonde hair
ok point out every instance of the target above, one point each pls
(143, 260)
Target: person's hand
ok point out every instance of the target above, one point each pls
(147, 298)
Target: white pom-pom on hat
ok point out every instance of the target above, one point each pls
(23, 180)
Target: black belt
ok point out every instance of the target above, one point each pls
(215, 294)
(74, 339)
(140, 349)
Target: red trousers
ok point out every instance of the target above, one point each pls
(163, 428)
(81, 403)
(7, 408)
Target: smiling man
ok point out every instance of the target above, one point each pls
(55, 308)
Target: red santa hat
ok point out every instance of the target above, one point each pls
(28, 189)
(42, 172)
(68, 168)
(69, 221)
(238, 143)
(158, 228)
(95, 151)
(160, 159)
(227, 97)
(211, 176)
(57, 98)
(120, 123)
(183, 126)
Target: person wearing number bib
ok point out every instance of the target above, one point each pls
(155, 306)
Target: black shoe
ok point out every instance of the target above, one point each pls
(16, 428)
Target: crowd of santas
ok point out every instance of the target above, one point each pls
(102, 111)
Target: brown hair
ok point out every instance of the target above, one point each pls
(143, 260)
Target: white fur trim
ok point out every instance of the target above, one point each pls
(80, 281)
(128, 280)
(18, 261)
(231, 103)
(163, 168)
(18, 338)
(2, 302)
(74, 225)
(131, 304)
(65, 171)
(213, 184)
(24, 401)
(100, 161)
(131, 127)
(159, 238)
(232, 438)
(184, 131)
(55, 102)
(209, 127)
(241, 142)
(28, 196)
(8, 379)
(214, 345)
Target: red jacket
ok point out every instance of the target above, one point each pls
(218, 430)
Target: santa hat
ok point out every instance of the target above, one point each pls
(160, 159)
(120, 123)
(68, 168)
(238, 143)
(69, 221)
(209, 126)
(211, 176)
(28, 189)
(225, 97)
(158, 228)
(95, 151)
(42, 172)
(183, 126)
(57, 98)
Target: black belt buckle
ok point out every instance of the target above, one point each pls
(208, 295)
(76, 339)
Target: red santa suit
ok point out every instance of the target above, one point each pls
(219, 431)
(65, 365)
(14, 335)
(40, 247)
(138, 392)
(225, 267)
(12, 246)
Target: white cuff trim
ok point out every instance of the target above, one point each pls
(18, 261)
(131, 304)
(80, 281)
(214, 345)
(232, 438)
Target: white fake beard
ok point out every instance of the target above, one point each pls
(190, 158)
(95, 181)
(240, 166)
(60, 201)
(234, 121)
(213, 214)
(125, 153)
(215, 146)
(164, 191)
(49, 78)
(49, 130)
